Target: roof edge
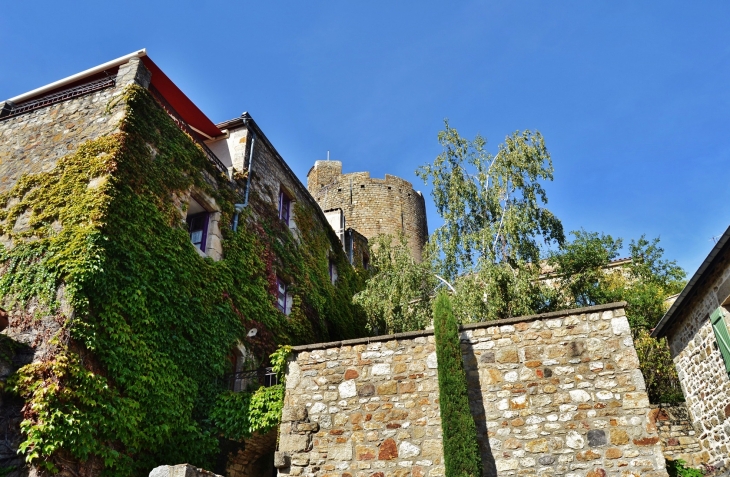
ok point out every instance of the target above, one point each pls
(75, 77)
(469, 326)
(670, 315)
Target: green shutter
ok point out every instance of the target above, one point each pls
(721, 336)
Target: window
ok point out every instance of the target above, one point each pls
(722, 337)
(197, 221)
(365, 261)
(283, 301)
(333, 271)
(284, 207)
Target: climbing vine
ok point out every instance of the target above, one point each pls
(136, 371)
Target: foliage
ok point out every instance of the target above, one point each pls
(582, 275)
(500, 291)
(237, 415)
(490, 204)
(660, 374)
(398, 298)
(679, 468)
(461, 448)
(137, 369)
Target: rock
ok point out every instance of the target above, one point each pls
(364, 453)
(596, 473)
(380, 369)
(578, 395)
(596, 438)
(388, 450)
(351, 374)
(619, 437)
(507, 355)
(620, 325)
(537, 446)
(317, 408)
(546, 460)
(614, 453)
(646, 441)
(294, 443)
(574, 440)
(340, 452)
(431, 449)
(388, 387)
(347, 389)
(366, 390)
(431, 361)
(407, 450)
(294, 413)
(282, 459)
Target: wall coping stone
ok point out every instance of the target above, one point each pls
(469, 326)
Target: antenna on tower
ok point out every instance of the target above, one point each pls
(328, 155)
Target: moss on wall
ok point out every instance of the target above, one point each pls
(138, 363)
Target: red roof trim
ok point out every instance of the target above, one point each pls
(187, 110)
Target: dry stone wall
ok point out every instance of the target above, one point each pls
(553, 394)
(371, 206)
(679, 439)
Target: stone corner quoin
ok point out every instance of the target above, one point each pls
(559, 393)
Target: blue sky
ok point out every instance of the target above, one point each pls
(632, 97)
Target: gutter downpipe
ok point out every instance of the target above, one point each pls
(240, 207)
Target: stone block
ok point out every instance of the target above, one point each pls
(596, 438)
(294, 443)
(388, 387)
(366, 390)
(283, 460)
(407, 450)
(388, 450)
(340, 452)
(294, 413)
(347, 389)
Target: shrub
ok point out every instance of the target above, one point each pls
(461, 449)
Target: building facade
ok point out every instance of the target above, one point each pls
(696, 328)
(371, 206)
(149, 259)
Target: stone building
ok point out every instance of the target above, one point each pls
(140, 245)
(553, 394)
(696, 327)
(371, 206)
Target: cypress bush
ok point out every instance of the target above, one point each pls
(461, 448)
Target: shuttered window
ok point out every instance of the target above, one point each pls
(721, 335)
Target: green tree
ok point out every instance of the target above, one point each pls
(461, 448)
(491, 204)
(582, 275)
(397, 297)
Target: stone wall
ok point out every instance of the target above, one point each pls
(553, 394)
(371, 206)
(678, 436)
(32, 143)
(181, 470)
(701, 369)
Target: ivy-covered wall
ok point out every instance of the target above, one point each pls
(134, 368)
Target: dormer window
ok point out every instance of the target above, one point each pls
(284, 207)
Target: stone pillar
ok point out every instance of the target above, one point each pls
(134, 72)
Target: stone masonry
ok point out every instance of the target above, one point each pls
(679, 439)
(371, 206)
(700, 366)
(553, 394)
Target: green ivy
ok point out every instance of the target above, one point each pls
(679, 468)
(135, 373)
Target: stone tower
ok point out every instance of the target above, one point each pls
(371, 206)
